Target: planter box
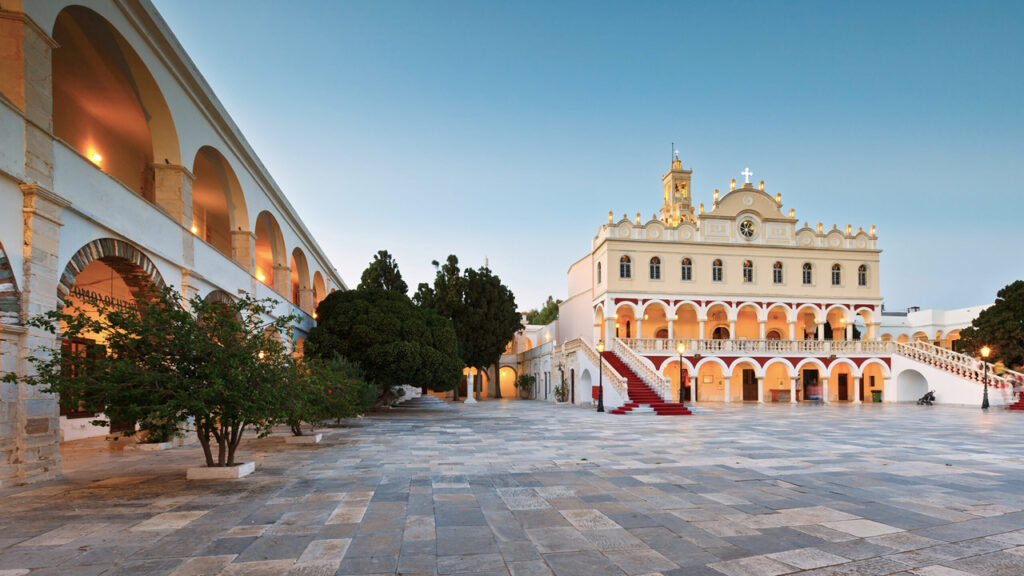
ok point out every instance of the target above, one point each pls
(222, 472)
(304, 439)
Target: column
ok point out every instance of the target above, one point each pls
(856, 389)
(761, 329)
(702, 335)
(306, 300)
(732, 329)
(671, 331)
(693, 387)
(728, 391)
(760, 390)
(873, 331)
(792, 330)
(188, 286)
(820, 328)
(173, 191)
(283, 281)
(849, 331)
(824, 390)
(639, 328)
(792, 389)
(470, 389)
(609, 329)
(243, 248)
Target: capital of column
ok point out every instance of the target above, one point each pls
(178, 168)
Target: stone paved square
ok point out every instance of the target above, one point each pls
(525, 488)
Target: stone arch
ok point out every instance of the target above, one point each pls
(920, 336)
(10, 297)
(807, 319)
(875, 362)
(748, 318)
(587, 383)
(108, 106)
(219, 295)
(626, 314)
(686, 320)
(319, 289)
(741, 389)
(507, 381)
(670, 369)
(790, 369)
(138, 271)
(910, 385)
(219, 212)
(299, 278)
(270, 258)
(656, 319)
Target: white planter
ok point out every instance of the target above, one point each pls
(221, 472)
(304, 439)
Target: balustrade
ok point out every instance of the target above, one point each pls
(757, 347)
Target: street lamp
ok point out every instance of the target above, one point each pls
(681, 348)
(985, 351)
(600, 375)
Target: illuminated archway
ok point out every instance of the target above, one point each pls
(270, 253)
(218, 206)
(106, 104)
(300, 293)
(10, 305)
(319, 289)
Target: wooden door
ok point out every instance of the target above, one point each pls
(749, 385)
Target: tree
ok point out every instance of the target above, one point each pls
(322, 390)
(392, 340)
(383, 274)
(1000, 327)
(218, 364)
(546, 315)
(482, 309)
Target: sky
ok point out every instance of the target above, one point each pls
(505, 132)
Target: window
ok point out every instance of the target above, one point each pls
(598, 272)
(862, 275)
(687, 270)
(716, 271)
(748, 271)
(625, 267)
(808, 274)
(837, 275)
(655, 268)
(777, 273)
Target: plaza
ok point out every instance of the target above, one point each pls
(525, 487)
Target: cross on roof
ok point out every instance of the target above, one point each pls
(746, 175)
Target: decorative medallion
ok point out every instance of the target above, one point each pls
(686, 234)
(624, 231)
(748, 200)
(747, 229)
(834, 242)
(653, 233)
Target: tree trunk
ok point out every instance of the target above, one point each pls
(296, 428)
(204, 439)
(236, 439)
(221, 445)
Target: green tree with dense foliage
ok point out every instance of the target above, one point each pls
(482, 309)
(323, 390)
(393, 341)
(220, 365)
(546, 315)
(1000, 327)
(383, 274)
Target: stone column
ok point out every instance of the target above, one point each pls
(760, 390)
(173, 191)
(732, 329)
(728, 390)
(792, 390)
(873, 331)
(671, 329)
(693, 387)
(609, 330)
(37, 434)
(849, 331)
(856, 389)
(792, 330)
(283, 281)
(821, 329)
(824, 390)
(188, 285)
(761, 329)
(639, 328)
(702, 335)
(243, 249)
(306, 300)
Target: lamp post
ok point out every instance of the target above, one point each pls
(600, 375)
(681, 348)
(985, 351)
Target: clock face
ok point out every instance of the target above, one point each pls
(747, 229)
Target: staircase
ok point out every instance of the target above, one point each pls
(963, 366)
(640, 394)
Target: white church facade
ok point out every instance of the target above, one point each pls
(739, 302)
(120, 169)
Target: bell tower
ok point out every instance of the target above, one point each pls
(676, 183)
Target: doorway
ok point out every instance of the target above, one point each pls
(749, 385)
(812, 390)
(842, 387)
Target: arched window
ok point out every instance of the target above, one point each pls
(655, 268)
(716, 270)
(808, 274)
(777, 273)
(748, 271)
(862, 275)
(625, 267)
(837, 274)
(687, 270)
(598, 272)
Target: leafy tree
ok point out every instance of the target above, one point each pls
(546, 315)
(218, 364)
(482, 309)
(323, 390)
(1000, 327)
(392, 340)
(383, 274)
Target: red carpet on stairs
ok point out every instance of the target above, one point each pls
(641, 393)
(1018, 405)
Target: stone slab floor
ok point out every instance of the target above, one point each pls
(525, 488)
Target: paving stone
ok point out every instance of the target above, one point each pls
(808, 558)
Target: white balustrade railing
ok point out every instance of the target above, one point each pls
(643, 368)
(962, 365)
(610, 375)
(747, 347)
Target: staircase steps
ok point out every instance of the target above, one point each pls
(1018, 405)
(640, 394)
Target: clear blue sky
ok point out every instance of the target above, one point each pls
(508, 130)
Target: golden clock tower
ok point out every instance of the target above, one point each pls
(677, 194)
